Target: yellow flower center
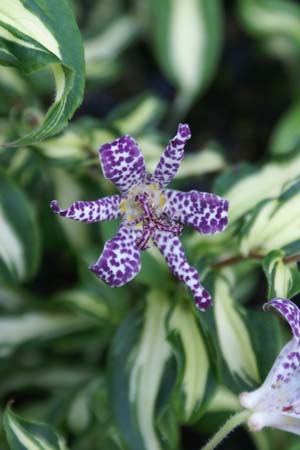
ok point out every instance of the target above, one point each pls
(133, 210)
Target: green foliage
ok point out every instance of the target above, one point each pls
(36, 36)
(175, 27)
(285, 139)
(275, 23)
(20, 247)
(178, 26)
(138, 367)
(30, 435)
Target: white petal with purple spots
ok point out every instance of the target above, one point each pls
(171, 248)
(289, 311)
(205, 212)
(280, 393)
(120, 260)
(123, 163)
(150, 212)
(277, 402)
(106, 208)
(171, 158)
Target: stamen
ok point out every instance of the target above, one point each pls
(147, 231)
(142, 200)
(150, 220)
(175, 229)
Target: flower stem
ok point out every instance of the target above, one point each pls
(233, 422)
(252, 256)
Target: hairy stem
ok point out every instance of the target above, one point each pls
(233, 422)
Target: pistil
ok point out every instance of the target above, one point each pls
(151, 221)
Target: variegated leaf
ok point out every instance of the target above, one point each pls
(25, 328)
(196, 380)
(244, 187)
(86, 302)
(254, 185)
(19, 235)
(244, 361)
(102, 50)
(233, 335)
(275, 22)
(23, 434)
(151, 357)
(195, 164)
(78, 143)
(140, 357)
(286, 136)
(187, 38)
(223, 400)
(67, 190)
(283, 279)
(137, 115)
(35, 34)
(273, 224)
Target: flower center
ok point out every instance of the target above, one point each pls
(143, 208)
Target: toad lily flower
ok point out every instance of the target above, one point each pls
(277, 402)
(150, 213)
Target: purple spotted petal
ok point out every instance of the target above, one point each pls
(123, 163)
(280, 393)
(277, 402)
(172, 156)
(171, 248)
(207, 213)
(289, 311)
(106, 208)
(120, 260)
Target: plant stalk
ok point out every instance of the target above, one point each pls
(233, 422)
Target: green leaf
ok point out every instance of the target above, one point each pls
(19, 234)
(80, 413)
(201, 162)
(283, 279)
(244, 362)
(266, 182)
(233, 334)
(187, 41)
(273, 224)
(197, 163)
(33, 328)
(12, 87)
(285, 138)
(275, 22)
(68, 147)
(137, 115)
(195, 383)
(86, 302)
(35, 34)
(154, 271)
(122, 345)
(23, 434)
(139, 358)
(151, 357)
(295, 285)
(78, 143)
(68, 190)
(279, 275)
(102, 51)
(223, 400)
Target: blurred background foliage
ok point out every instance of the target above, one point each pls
(138, 368)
